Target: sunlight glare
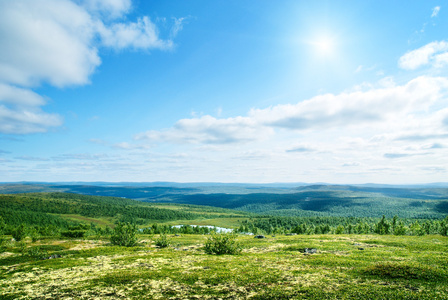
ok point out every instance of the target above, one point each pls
(324, 46)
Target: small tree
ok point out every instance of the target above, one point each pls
(125, 234)
(222, 244)
(20, 232)
(2, 225)
(444, 227)
(382, 227)
(163, 241)
(339, 230)
(400, 229)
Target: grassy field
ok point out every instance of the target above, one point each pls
(342, 267)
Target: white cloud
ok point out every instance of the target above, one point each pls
(19, 97)
(302, 148)
(356, 108)
(435, 11)
(178, 26)
(209, 130)
(110, 8)
(403, 108)
(20, 112)
(434, 53)
(57, 42)
(46, 41)
(140, 35)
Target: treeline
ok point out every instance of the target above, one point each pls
(344, 225)
(37, 209)
(185, 229)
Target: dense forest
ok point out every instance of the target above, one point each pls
(421, 202)
(73, 215)
(49, 213)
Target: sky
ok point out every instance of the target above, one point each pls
(251, 91)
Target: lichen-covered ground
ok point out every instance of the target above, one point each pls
(343, 267)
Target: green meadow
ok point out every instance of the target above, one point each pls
(279, 267)
(66, 246)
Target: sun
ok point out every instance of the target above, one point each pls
(324, 45)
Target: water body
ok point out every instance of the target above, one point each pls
(218, 229)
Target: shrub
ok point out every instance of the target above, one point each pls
(444, 227)
(2, 225)
(37, 252)
(222, 244)
(163, 241)
(125, 234)
(73, 233)
(19, 233)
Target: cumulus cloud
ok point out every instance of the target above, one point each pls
(46, 41)
(57, 42)
(345, 109)
(434, 54)
(395, 104)
(20, 111)
(209, 130)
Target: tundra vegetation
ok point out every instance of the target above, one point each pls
(67, 246)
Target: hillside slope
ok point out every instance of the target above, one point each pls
(281, 200)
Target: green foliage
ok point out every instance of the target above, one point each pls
(222, 244)
(405, 271)
(400, 229)
(20, 232)
(339, 230)
(76, 234)
(34, 234)
(39, 209)
(444, 227)
(37, 252)
(163, 241)
(22, 247)
(125, 234)
(404, 267)
(382, 227)
(2, 225)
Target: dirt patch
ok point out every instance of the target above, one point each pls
(88, 245)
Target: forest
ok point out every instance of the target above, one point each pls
(68, 214)
(71, 246)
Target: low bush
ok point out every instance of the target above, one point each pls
(163, 241)
(37, 252)
(73, 233)
(125, 234)
(20, 233)
(222, 244)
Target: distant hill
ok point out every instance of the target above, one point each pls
(57, 209)
(427, 201)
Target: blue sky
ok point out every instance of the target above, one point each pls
(228, 91)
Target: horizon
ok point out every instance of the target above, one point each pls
(211, 183)
(251, 92)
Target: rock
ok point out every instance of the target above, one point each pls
(289, 234)
(360, 248)
(259, 237)
(310, 250)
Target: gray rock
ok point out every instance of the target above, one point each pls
(310, 250)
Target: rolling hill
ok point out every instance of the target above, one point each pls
(279, 200)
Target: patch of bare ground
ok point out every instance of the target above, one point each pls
(86, 244)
